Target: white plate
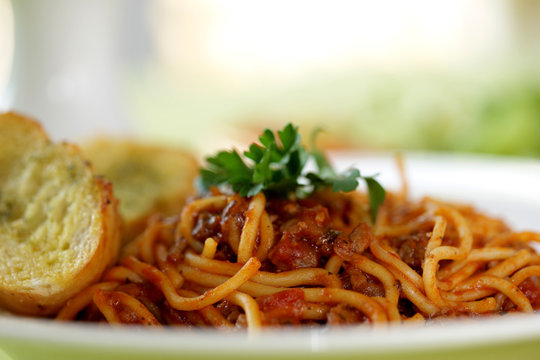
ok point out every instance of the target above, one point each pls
(504, 187)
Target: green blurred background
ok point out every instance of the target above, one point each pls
(417, 74)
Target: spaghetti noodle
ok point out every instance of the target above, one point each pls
(229, 261)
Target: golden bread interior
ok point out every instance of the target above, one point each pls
(147, 179)
(59, 226)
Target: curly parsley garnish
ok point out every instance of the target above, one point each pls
(277, 167)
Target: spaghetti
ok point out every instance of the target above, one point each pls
(229, 261)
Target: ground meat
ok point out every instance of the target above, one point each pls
(411, 249)
(143, 291)
(355, 243)
(229, 310)
(306, 240)
(532, 292)
(343, 315)
(224, 227)
(207, 225)
(147, 294)
(233, 219)
(406, 307)
(181, 318)
(293, 253)
(283, 307)
(363, 283)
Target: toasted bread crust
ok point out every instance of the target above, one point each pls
(59, 224)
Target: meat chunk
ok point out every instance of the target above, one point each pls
(306, 240)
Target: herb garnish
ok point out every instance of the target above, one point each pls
(278, 168)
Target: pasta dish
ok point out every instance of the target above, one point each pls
(246, 257)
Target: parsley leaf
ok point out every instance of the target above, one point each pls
(376, 196)
(276, 166)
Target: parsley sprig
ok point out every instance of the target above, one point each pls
(277, 167)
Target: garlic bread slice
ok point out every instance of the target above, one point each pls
(147, 178)
(59, 225)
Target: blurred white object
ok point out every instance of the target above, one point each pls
(67, 66)
(6, 49)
